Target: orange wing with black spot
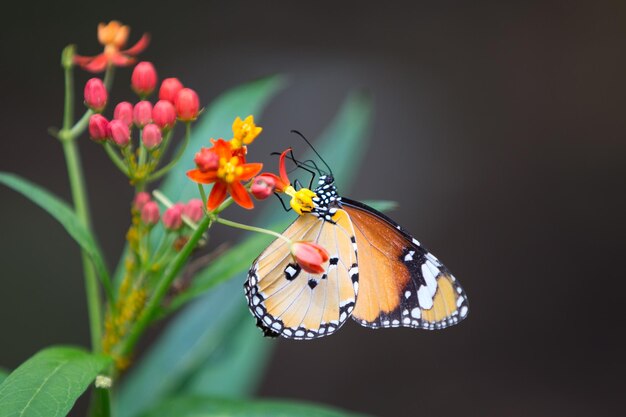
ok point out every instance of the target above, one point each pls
(401, 284)
(292, 303)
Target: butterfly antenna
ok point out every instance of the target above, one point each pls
(330, 171)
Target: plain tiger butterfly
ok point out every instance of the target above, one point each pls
(377, 273)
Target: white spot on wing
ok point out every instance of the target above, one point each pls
(409, 256)
(463, 311)
(431, 281)
(425, 298)
(416, 313)
(407, 294)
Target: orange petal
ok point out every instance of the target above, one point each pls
(281, 166)
(240, 195)
(202, 177)
(81, 60)
(250, 170)
(139, 47)
(120, 60)
(98, 64)
(217, 196)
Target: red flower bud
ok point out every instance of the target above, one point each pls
(120, 133)
(169, 88)
(206, 160)
(99, 128)
(96, 95)
(194, 210)
(172, 218)
(142, 113)
(150, 213)
(263, 186)
(164, 114)
(144, 79)
(124, 112)
(151, 136)
(310, 256)
(187, 105)
(140, 200)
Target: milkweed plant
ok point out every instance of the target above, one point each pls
(209, 358)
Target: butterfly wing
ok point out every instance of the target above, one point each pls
(290, 302)
(401, 284)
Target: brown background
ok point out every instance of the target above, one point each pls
(498, 126)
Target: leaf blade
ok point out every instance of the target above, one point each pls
(49, 382)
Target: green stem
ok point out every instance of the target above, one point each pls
(251, 228)
(181, 150)
(162, 287)
(79, 197)
(115, 158)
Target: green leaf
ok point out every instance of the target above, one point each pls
(49, 383)
(63, 213)
(202, 349)
(198, 406)
(3, 375)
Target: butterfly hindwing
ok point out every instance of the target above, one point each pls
(401, 284)
(290, 302)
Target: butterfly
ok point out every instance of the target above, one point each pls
(376, 273)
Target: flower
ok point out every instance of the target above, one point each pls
(151, 136)
(150, 213)
(226, 175)
(164, 114)
(140, 200)
(113, 36)
(310, 256)
(301, 200)
(96, 95)
(263, 186)
(187, 104)
(120, 133)
(99, 128)
(124, 112)
(142, 113)
(169, 88)
(144, 78)
(244, 132)
(207, 160)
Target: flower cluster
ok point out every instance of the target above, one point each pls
(224, 165)
(154, 123)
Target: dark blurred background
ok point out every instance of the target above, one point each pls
(499, 128)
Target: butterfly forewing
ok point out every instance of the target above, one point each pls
(401, 284)
(290, 302)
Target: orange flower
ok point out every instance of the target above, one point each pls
(113, 36)
(226, 175)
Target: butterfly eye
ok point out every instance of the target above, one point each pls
(329, 179)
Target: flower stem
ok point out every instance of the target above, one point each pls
(162, 287)
(115, 158)
(251, 228)
(175, 159)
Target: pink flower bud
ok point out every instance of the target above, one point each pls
(140, 200)
(150, 213)
(169, 88)
(172, 218)
(124, 112)
(120, 133)
(263, 186)
(310, 256)
(142, 113)
(164, 114)
(206, 160)
(96, 95)
(99, 128)
(144, 79)
(194, 210)
(187, 105)
(151, 136)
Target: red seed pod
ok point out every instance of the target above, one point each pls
(151, 136)
(164, 114)
(187, 105)
(169, 88)
(96, 95)
(124, 112)
(99, 128)
(144, 79)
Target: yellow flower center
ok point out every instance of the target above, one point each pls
(301, 200)
(229, 169)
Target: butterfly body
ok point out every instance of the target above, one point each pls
(377, 273)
